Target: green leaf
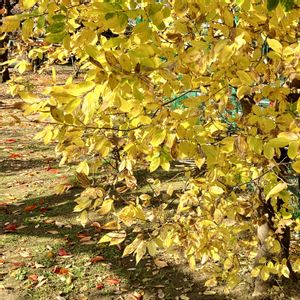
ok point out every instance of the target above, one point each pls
(287, 4)
(272, 4)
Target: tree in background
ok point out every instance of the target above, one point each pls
(5, 10)
(138, 58)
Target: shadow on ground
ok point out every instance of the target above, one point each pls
(145, 276)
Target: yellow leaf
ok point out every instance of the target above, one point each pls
(106, 207)
(155, 163)
(10, 23)
(152, 248)
(296, 166)
(244, 77)
(125, 62)
(228, 18)
(57, 114)
(83, 218)
(159, 136)
(255, 271)
(105, 239)
(285, 271)
(216, 190)
(296, 265)
(275, 45)
(170, 190)
(27, 28)
(80, 88)
(111, 59)
(211, 282)
(192, 262)
(269, 151)
(83, 167)
(132, 247)
(293, 150)
(265, 273)
(26, 4)
(199, 162)
(279, 142)
(276, 189)
(140, 251)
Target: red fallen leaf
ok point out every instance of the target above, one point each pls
(33, 277)
(9, 141)
(3, 204)
(30, 207)
(2, 261)
(10, 227)
(62, 252)
(60, 271)
(113, 281)
(17, 265)
(96, 225)
(53, 171)
(97, 259)
(85, 239)
(43, 209)
(99, 286)
(15, 155)
(82, 235)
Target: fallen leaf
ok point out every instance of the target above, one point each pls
(96, 225)
(10, 228)
(2, 261)
(62, 252)
(82, 235)
(50, 254)
(52, 231)
(113, 281)
(207, 293)
(10, 141)
(160, 263)
(33, 277)
(137, 296)
(17, 265)
(42, 282)
(30, 208)
(15, 155)
(160, 294)
(24, 254)
(60, 270)
(53, 171)
(59, 224)
(43, 209)
(97, 259)
(37, 265)
(99, 286)
(85, 239)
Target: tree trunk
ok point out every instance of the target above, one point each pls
(265, 228)
(5, 10)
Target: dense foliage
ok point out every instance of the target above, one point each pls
(138, 58)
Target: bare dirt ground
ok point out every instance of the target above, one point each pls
(46, 254)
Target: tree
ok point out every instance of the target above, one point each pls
(121, 116)
(5, 10)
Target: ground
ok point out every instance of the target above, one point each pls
(46, 254)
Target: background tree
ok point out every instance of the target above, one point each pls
(5, 10)
(121, 115)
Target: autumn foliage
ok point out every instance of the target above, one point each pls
(137, 58)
